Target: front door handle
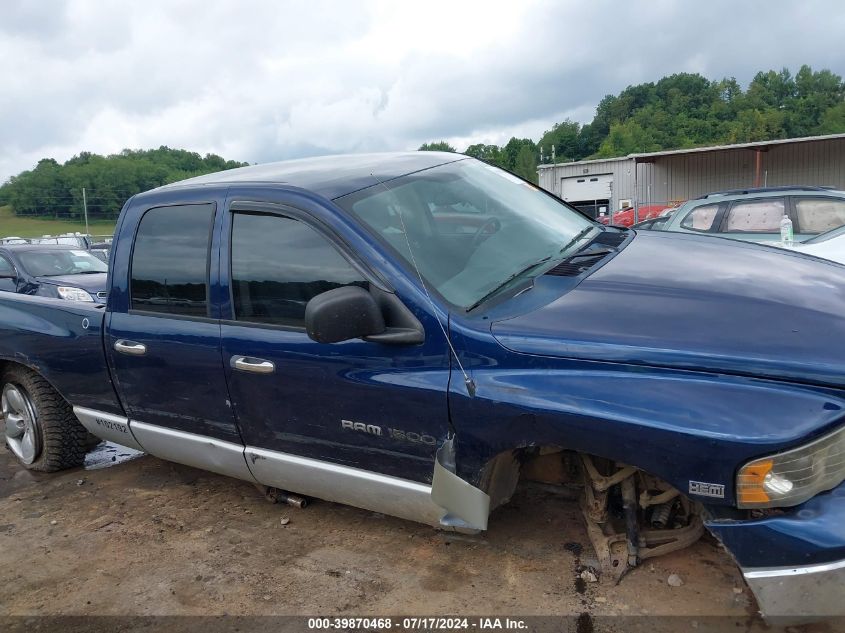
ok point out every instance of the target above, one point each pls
(130, 347)
(254, 365)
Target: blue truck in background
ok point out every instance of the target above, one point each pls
(414, 333)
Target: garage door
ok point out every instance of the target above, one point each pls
(583, 188)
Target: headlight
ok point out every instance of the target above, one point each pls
(74, 294)
(790, 478)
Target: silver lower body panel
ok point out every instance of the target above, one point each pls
(799, 594)
(224, 458)
(458, 506)
(343, 484)
(107, 426)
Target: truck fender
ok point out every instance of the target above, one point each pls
(467, 507)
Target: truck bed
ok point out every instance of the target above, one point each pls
(62, 341)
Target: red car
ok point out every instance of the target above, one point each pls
(626, 216)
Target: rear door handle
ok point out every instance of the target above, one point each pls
(254, 365)
(130, 347)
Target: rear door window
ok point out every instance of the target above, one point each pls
(755, 216)
(819, 215)
(170, 260)
(701, 218)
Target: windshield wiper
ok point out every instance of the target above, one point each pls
(575, 239)
(509, 279)
(88, 272)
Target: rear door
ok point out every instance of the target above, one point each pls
(164, 341)
(367, 405)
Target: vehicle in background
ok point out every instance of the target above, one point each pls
(829, 245)
(13, 240)
(626, 217)
(413, 333)
(754, 215)
(655, 223)
(78, 240)
(101, 250)
(62, 272)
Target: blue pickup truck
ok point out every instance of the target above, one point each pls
(414, 333)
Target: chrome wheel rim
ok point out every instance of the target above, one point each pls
(21, 428)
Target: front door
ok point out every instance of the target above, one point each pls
(357, 404)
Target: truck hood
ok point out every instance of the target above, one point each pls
(700, 303)
(93, 283)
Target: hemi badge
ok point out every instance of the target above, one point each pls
(707, 490)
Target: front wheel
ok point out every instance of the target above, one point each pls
(39, 427)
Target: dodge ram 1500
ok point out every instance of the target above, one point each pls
(412, 333)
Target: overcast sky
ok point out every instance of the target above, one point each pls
(264, 81)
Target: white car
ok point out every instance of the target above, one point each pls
(829, 245)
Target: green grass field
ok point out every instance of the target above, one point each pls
(10, 224)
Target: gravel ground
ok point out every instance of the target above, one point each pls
(142, 537)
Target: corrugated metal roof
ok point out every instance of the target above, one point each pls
(711, 148)
(585, 162)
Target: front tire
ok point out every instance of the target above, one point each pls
(39, 426)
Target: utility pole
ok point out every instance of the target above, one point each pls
(85, 209)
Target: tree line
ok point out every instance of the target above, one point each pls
(54, 190)
(681, 111)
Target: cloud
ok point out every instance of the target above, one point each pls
(262, 81)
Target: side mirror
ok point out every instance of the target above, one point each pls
(343, 314)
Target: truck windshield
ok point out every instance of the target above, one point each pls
(470, 228)
(52, 263)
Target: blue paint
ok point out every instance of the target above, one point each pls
(683, 355)
(809, 534)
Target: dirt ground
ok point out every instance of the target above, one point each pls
(147, 537)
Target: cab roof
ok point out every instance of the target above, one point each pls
(328, 176)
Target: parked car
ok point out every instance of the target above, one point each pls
(77, 240)
(61, 272)
(829, 245)
(655, 223)
(311, 326)
(755, 214)
(627, 217)
(101, 250)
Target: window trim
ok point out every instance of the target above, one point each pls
(724, 225)
(291, 213)
(185, 317)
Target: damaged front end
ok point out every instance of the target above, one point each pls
(632, 516)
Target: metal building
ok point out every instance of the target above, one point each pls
(668, 178)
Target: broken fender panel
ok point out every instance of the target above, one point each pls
(467, 507)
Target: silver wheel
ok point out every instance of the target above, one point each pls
(22, 434)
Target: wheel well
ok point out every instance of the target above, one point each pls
(6, 364)
(548, 464)
(630, 515)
